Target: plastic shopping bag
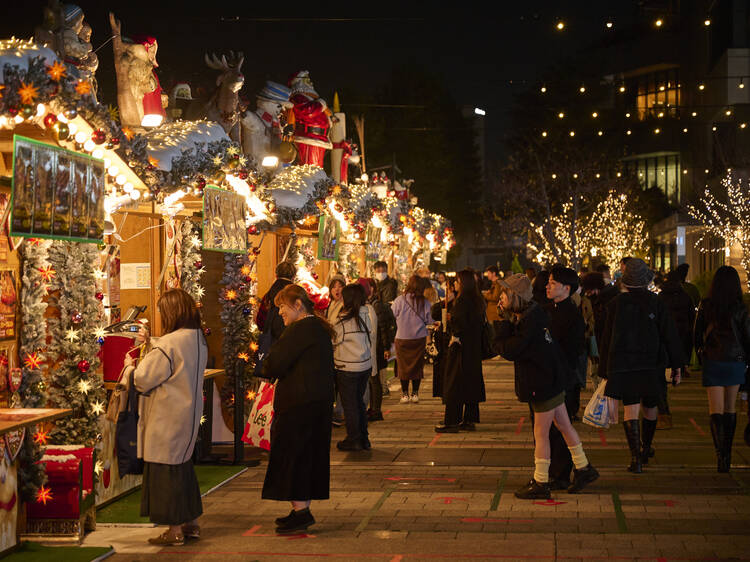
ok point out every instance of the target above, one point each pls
(597, 410)
(258, 427)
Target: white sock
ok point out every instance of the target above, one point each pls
(579, 457)
(541, 470)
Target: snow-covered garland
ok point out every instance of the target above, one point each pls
(191, 264)
(31, 476)
(74, 343)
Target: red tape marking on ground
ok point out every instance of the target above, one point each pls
(697, 427)
(520, 425)
(549, 502)
(402, 478)
(669, 503)
(386, 412)
(490, 520)
(435, 439)
(253, 532)
(397, 558)
(602, 437)
(353, 556)
(450, 499)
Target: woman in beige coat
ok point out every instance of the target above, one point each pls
(170, 381)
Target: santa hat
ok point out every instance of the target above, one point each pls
(297, 76)
(145, 40)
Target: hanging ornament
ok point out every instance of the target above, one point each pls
(76, 317)
(233, 164)
(99, 296)
(207, 331)
(242, 174)
(115, 141)
(252, 229)
(71, 113)
(219, 176)
(246, 310)
(49, 120)
(200, 183)
(61, 130)
(98, 136)
(253, 187)
(84, 366)
(13, 110)
(27, 111)
(338, 207)
(198, 264)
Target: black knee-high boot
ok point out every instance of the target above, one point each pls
(730, 424)
(632, 432)
(648, 427)
(717, 432)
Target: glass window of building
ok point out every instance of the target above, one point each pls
(660, 170)
(658, 94)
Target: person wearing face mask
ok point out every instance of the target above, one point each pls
(387, 287)
(301, 363)
(335, 288)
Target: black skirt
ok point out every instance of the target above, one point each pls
(638, 384)
(299, 463)
(170, 493)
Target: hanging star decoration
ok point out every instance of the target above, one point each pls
(245, 270)
(71, 335)
(97, 408)
(250, 395)
(41, 437)
(100, 333)
(28, 92)
(84, 385)
(195, 241)
(128, 132)
(114, 113)
(232, 150)
(244, 356)
(218, 160)
(231, 294)
(200, 291)
(83, 87)
(32, 361)
(203, 420)
(153, 161)
(98, 467)
(243, 160)
(253, 346)
(47, 272)
(43, 495)
(56, 71)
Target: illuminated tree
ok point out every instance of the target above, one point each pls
(614, 231)
(561, 238)
(728, 220)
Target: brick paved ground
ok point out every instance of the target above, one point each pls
(420, 496)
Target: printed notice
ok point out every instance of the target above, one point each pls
(135, 276)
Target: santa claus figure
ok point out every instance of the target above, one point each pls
(312, 120)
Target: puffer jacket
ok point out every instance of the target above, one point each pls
(538, 362)
(353, 346)
(717, 342)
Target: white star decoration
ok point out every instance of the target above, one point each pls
(232, 150)
(100, 332)
(97, 408)
(84, 386)
(218, 160)
(200, 291)
(71, 335)
(203, 420)
(99, 467)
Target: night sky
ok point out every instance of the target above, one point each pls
(477, 53)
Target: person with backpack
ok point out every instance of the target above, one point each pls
(353, 355)
(722, 337)
(639, 341)
(540, 378)
(463, 388)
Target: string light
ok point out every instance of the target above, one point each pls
(622, 89)
(561, 115)
(582, 89)
(613, 230)
(594, 115)
(707, 22)
(560, 25)
(658, 23)
(609, 24)
(544, 133)
(701, 86)
(543, 89)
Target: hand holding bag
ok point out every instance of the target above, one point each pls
(597, 410)
(258, 427)
(126, 434)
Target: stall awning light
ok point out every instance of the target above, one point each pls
(478, 111)
(270, 161)
(152, 120)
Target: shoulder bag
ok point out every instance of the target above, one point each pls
(126, 434)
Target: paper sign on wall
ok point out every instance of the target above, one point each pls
(135, 276)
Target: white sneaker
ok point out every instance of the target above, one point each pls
(404, 399)
(414, 398)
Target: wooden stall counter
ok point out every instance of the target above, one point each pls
(12, 419)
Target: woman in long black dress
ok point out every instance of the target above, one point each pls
(301, 362)
(464, 383)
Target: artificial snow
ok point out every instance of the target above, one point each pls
(292, 187)
(168, 141)
(18, 52)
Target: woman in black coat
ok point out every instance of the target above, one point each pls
(301, 362)
(463, 388)
(541, 375)
(722, 340)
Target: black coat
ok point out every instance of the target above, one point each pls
(387, 290)
(302, 362)
(682, 309)
(465, 385)
(537, 358)
(386, 331)
(717, 341)
(639, 336)
(268, 319)
(568, 329)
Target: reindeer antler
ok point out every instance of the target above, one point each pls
(235, 59)
(215, 63)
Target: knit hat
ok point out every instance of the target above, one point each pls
(637, 274)
(71, 13)
(274, 91)
(520, 284)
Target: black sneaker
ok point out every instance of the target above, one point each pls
(283, 520)
(583, 477)
(534, 491)
(346, 445)
(298, 521)
(375, 416)
(366, 445)
(467, 426)
(556, 484)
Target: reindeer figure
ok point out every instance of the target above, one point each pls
(223, 106)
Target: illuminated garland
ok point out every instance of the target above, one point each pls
(191, 265)
(729, 221)
(614, 232)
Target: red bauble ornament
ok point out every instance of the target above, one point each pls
(242, 174)
(207, 331)
(99, 296)
(338, 207)
(200, 183)
(256, 251)
(115, 140)
(76, 317)
(13, 110)
(98, 136)
(49, 120)
(84, 366)
(252, 187)
(252, 229)
(315, 276)
(198, 264)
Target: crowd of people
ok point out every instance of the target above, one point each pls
(559, 327)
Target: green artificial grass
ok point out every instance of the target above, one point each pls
(35, 552)
(127, 509)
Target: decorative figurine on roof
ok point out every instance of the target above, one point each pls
(261, 130)
(139, 94)
(65, 31)
(312, 120)
(223, 106)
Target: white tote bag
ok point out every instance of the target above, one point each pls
(597, 410)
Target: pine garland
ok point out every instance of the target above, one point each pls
(74, 382)
(31, 475)
(191, 264)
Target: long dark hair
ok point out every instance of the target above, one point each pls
(354, 297)
(469, 289)
(725, 294)
(415, 287)
(290, 294)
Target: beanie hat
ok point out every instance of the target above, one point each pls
(520, 284)
(71, 13)
(637, 274)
